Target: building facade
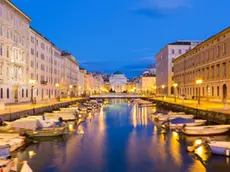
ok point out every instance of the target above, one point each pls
(45, 67)
(14, 53)
(209, 62)
(148, 83)
(69, 75)
(164, 65)
(118, 82)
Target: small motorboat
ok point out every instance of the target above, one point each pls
(206, 130)
(66, 116)
(220, 147)
(178, 123)
(46, 132)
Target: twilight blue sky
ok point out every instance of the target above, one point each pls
(111, 35)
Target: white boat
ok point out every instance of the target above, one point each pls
(220, 147)
(206, 130)
(4, 151)
(197, 122)
(66, 116)
(14, 140)
(162, 117)
(70, 109)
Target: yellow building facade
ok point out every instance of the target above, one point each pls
(208, 62)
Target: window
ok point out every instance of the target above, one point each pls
(32, 64)
(42, 56)
(7, 51)
(218, 91)
(26, 92)
(212, 91)
(37, 65)
(32, 39)
(224, 48)
(0, 29)
(37, 54)
(8, 93)
(22, 93)
(1, 49)
(42, 46)
(224, 69)
(212, 71)
(179, 51)
(7, 72)
(173, 51)
(1, 93)
(22, 40)
(1, 11)
(42, 67)
(8, 33)
(0, 69)
(37, 42)
(218, 70)
(218, 51)
(207, 69)
(32, 51)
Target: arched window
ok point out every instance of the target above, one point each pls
(203, 92)
(218, 91)
(1, 93)
(22, 93)
(212, 91)
(7, 93)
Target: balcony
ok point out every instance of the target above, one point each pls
(44, 82)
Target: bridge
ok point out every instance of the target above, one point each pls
(117, 95)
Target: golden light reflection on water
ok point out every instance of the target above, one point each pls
(101, 120)
(175, 148)
(134, 115)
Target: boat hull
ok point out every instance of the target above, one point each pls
(180, 125)
(204, 131)
(48, 132)
(220, 150)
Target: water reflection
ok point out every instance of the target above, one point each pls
(121, 138)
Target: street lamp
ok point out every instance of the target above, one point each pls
(70, 91)
(175, 86)
(57, 86)
(32, 83)
(199, 82)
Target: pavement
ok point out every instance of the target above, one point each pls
(27, 106)
(204, 104)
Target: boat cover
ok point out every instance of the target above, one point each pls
(182, 121)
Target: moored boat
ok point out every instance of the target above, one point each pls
(206, 130)
(186, 122)
(220, 147)
(162, 117)
(47, 132)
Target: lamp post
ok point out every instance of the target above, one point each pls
(199, 82)
(32, 83)
(163, 89)
(70, 91)
(58, 96)
(175, 94)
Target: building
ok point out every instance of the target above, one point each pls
(99, 82)
(45, 67)
(164, 65)
(118, 82)
(82, 82)
(209, 62)
(69, 75)
(14, 53)
(148, 83)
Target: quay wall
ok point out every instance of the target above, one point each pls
(209, 115)
(37, 110)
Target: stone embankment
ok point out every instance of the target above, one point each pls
(10, 116)
(211, 116)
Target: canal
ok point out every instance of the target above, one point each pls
(121, 138)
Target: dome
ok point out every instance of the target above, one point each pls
(118, 73)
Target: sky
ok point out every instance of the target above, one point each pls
(123, 35)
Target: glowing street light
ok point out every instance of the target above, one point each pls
(57, 85)
(199, 82)
(175, 86)
(163, 87)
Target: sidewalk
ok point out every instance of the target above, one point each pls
(204, 105)
(27, 106)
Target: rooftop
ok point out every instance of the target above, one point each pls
(117, 73)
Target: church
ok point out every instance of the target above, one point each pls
(118, 82)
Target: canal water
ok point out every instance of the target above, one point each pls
(121, 138)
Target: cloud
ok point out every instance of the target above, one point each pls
(158, 8)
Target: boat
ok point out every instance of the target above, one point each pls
(180, 122)
(15, 142)
(220, 147)
(69, 109)
(4, 151)
(162, 117)
(66, 116)
(206, 130)
(6, 165)
(47, 132)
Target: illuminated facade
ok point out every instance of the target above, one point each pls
(14, 53)
(118, 82)
(69, 75)
(148, 83)
(164, 65)
(209, 62)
